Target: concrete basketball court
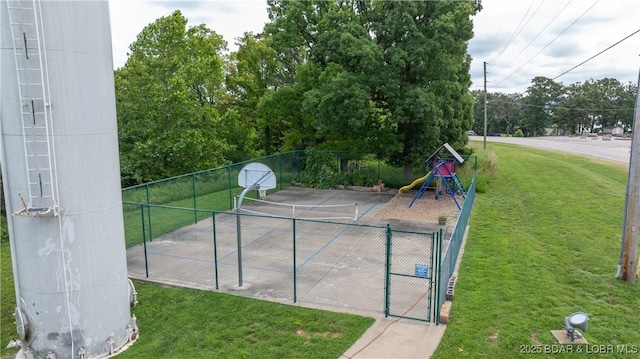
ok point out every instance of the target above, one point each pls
(339, 266)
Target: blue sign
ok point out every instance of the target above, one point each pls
(422, 270)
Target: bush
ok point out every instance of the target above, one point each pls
(518, 134)
(318, 171)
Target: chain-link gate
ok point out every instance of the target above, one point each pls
(412, 269)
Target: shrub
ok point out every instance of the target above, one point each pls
(518, 134)
(318, 171)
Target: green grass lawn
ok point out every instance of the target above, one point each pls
(186, 323)
(544, 242)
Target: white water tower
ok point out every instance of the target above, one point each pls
(61, 179)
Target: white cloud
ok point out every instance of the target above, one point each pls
(607, 22)
(226, 17)
(604, 24)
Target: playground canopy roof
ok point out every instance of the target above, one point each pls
(450, 149)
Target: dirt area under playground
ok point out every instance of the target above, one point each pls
(425, 209)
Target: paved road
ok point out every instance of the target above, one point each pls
(617, 150)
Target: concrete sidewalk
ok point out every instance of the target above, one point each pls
(397, 338)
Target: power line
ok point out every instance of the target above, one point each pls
(554, 39)
(599, 53)
(516, 31)
(541, 31)
(520, 104)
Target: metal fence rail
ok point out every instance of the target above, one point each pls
(452, 250)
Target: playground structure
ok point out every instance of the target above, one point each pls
(443, 171)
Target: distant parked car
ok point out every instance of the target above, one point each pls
(471, 133)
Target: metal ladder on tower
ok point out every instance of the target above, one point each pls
(35, 111)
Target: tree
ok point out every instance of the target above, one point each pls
(539, 104)
(425, 78)
(505, 113)
(571, 114)
(168, 95)
(626, 104)
(340, 100)
(252, 75)
(331, 57)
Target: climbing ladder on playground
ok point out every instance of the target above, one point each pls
(443, 172)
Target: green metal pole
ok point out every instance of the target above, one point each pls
(195, 206)
(239, 237)
(387, 283)
(229, 186)
(434, 278)
(149, 212)
(295, 265)
(280, 169)
(144, 243)
(215, 247)
(439, 275)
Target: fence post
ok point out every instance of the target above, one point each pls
(144, 242)
(229, 186)
(387, 276)
(280, 169)
(434, 277)
(215, 247)
(195, 195)
(298, 160)
(149, 212)
(239, 237)
(439, 274)
(295, 265)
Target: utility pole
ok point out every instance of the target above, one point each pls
(629, 251)
(485, 105)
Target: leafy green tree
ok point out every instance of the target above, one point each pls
(388, 77)
(610, 101)
(626, 104)
(425, 78)
(332, 73)
(252, 75)
(596, 103)
(571, 114)
(341, 101)
(503, 112)
(169, 93)
(506, 110)
(540, 102)
(285, 124)
(478, 111)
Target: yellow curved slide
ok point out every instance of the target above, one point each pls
(414, 183)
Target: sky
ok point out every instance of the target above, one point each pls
(518, 39)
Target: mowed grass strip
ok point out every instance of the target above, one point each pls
(188, 323)
(544, 242)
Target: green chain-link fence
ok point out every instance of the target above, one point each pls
(181, 231)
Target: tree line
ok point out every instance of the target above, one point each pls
(389, 78)
(589, 106)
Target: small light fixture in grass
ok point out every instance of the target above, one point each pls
(442, 219)
(575, 320)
